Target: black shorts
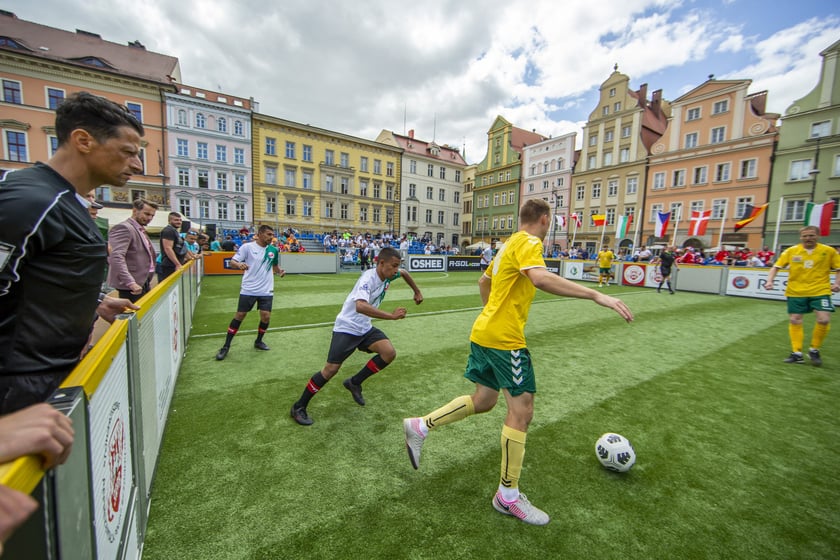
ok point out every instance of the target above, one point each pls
(343, 345)
(246, 303)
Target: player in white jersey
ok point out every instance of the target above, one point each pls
(261, 261)
(353, 330)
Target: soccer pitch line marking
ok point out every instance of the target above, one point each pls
(558, 299)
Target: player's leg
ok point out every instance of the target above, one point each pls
(342, 345)
(821, 328)
(796, 307)
(376, 342)
(264, 304)
(246, 303)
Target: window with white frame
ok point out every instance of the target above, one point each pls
(344, 160)
(608, 136)
(593, 140)
(377, 189)
(580, 192)
(363, 164)
(659, 180)
(270, 174)
(749, 169)
(222, 210)
(290, 206)
(741, 205)
(271, 146)
(456, 197)
(430, 193)
(221, 180)
(183, 147)
(182, 117)
(692, 114)
(239, 182)
(204, 209)
(203, 177)
(504, 198)
(307, 180)
(835, 170)
(624, 155)
(16, 146)
(496, 199)
(377, 167)
(610, 216)
(221, 126)
(441, 218)
(328, 183)
(200, 120)
(363, 213)
(612, 188)
(329, 157)
(654, 210)
(238, 129)
(185, 207)
(389, 169)
(54, 97)
(135, 109)
(344, 185)
(328, 209)
(201, 150)
(608, 158)
(442, 195)
(691, 140)
(719, 208)
(344, 211)
(800, 169)
(183, 176)
(794, 210)
(722, 172)
(718, 135)
(626, 131)
(428, 216)
(307, 208)
(239, 156)
(676, 210)
(307, 153)
(632, 185)
(721, 106)
(678, 178)
(290, 177)
(53, 145)
(596, 190)
(820, 129)
(290, 150)
(239, 211)
(696, 205)
(590, 162)
(700, 175)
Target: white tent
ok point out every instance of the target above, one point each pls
(478, 245)
(117, 215)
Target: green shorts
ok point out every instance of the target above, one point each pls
(501, 369)
(802, 305)
(604, 271)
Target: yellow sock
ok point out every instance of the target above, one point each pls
(513, 453)
(817, 337)
(797, 335)
(456, 410)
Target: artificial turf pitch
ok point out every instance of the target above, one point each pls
(737, 451)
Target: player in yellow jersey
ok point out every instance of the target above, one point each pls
(605, 259)
(499, 359)
(808, 289)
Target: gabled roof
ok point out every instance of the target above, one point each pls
(519, 138)
(443, 153)
(86, 49)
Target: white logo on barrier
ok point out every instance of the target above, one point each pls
(113, 484)
(634, 274)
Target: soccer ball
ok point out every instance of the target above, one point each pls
(615, 452)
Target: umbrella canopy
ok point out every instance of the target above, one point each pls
(479, 245)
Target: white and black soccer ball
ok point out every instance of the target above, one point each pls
(615, 452)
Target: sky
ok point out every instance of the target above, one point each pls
(448, 68)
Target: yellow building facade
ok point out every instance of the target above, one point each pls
(317, 180)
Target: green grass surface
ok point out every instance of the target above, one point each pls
(736, 450)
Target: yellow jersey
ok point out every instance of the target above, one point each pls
(605, 259)
(501, 324)
(810, 271)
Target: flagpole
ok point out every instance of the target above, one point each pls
(676, 227)
(603, 230)
(778, 223)
(635, 233)
(574, 235)
(722, 224)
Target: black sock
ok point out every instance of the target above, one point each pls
(261, 330)
(374, 365)
(232, 330)
(315, 384)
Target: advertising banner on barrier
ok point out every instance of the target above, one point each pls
(458, 263)
(752, 282)
(581, 270)
(633, 274)
(112, 473)
(426, 263)
(553, 265)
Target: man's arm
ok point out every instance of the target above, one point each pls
(168, 246)
(373, 312)
(418, 297)
(484, 284)
(558, 286)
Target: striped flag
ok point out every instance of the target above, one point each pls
(699, 221)
(576, 219)
(622, 225)
(750, 213)
(599, 219)
(819, 215)
(560, 221)
(662, 219)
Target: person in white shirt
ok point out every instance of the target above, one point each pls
(261, 261)
(353, 330)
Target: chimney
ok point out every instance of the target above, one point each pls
(411, 134)
(642, 95)
(656, 101)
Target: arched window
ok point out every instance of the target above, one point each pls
(182, 116)
(200, 121)
(238, 129)
(221, 124)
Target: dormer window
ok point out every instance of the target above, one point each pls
(11, 43)
(93, 61)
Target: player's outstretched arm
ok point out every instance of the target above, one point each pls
(553, 284)
(418, 296)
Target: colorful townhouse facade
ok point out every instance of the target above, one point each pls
(716, 154)
(316, 180)
(609, 177)
(41, 65)
(497, 181)
(432, 185)
(209, 158)
(467, 205)
(807, 158)
(547, 175)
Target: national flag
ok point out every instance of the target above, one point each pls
(819, 215)
(622, 225)
(560, 221)
(750, 213)
(576, 218)
(699, 221)
(662, 219)
(599, 219)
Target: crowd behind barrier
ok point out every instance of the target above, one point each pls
(96, 505)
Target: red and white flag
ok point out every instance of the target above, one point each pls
(576, 219)
(560, 221)
(699, 221)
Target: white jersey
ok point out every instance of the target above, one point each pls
(258, 280)
(369, 288)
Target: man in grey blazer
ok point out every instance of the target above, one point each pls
(131, 261)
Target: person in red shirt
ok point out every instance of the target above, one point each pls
(722, 256)
(766, 255)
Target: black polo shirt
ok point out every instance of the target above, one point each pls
(52, 258)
